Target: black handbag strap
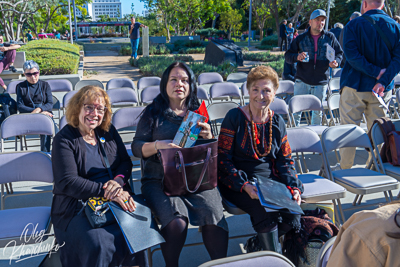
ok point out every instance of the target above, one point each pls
(379, 30)
(103, 153)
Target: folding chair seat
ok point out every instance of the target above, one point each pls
(300, 103)
(223, 90)
(316, 188)
(359, 181)
(37, 167)
(84, 83)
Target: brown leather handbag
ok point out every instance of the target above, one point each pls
(394, 144)
(190, 170)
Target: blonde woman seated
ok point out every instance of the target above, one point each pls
(253, 144)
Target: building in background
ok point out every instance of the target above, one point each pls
(105, 7)
(145, 13)
(88, 8)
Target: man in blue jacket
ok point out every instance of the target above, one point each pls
(312, 74)
(371, 66)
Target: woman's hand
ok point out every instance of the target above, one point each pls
(251, 190)
(125, 201)
(47, 113)
(112, 189)
(205, 130)
(165, 144)
(297, 196)
(37, 110)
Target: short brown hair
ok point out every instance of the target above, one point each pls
(91, 93)
(397, 18)
(261, 73)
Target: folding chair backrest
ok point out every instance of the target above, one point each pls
(126, 117)
(148, 81)
(122, 95)
(27, 124)
(285, 87)
(333, 101)
(149, 93)
(302, 139)
(67, 97)
(209, 77)
(12, 87)
(398, 94)
(63, 122)
(304, 102)
(120, 83)
(325, 252)
(224, 89)
(84, 83)
(218, 110)
(349, 135)
(25, 166)
(237, 77)
(56, 103)
(61, 85)
(244, 89)
(336, 72)
(279, 106)
(334, 85)
(202, 93)
(397, 79)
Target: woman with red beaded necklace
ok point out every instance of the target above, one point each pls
(253, 145)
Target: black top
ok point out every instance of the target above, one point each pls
(135, 32)
(71, 179)
(236, 152)
(282, 31)
(39, 96)
(165, 128)
(94, 164)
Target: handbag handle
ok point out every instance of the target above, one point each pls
(203, 171)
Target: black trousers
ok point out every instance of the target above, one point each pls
(284, 39)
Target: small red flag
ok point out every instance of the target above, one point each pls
(203, 111)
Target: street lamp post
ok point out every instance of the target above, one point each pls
(76, 27)
(70, 24)
(250, 11)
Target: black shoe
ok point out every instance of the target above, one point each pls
(270, 241)
(12, 68)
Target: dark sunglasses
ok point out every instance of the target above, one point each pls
(31, 74)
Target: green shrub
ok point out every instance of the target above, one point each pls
(194, 50)
(183, 44)
(270, 40)
(156, 65)
(263, 56)
(265, 47)
(245, 49)
(54, 57)
(277, 66)
(161, 49)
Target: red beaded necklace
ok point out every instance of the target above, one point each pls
(254, 134)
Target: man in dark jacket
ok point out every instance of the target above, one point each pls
(312, 74)
(371, 65)
(283, 35)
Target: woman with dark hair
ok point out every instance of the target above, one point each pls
(156, 129)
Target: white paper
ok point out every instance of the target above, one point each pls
(330, 53)
(380, 100)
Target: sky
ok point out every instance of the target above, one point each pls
(126, 6)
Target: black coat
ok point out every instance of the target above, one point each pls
(71, 182)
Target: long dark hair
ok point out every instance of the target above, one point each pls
(161, 103)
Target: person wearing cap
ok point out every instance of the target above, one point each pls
(371, 65)
(355, 14)
(312, 75)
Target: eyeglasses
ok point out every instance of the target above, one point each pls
(31, 74)
(90, 108)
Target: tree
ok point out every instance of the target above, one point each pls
(260, 13)
(13, 14)
(231, 21)
(165, 11)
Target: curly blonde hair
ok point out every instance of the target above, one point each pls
(261, 73)
(88, 93)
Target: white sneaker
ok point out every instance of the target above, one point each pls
(336, 167)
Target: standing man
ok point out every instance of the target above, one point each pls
(283, 34)
(7, 57)
(312, 74)
(134, 35)
(371, 65)
(353, 16)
